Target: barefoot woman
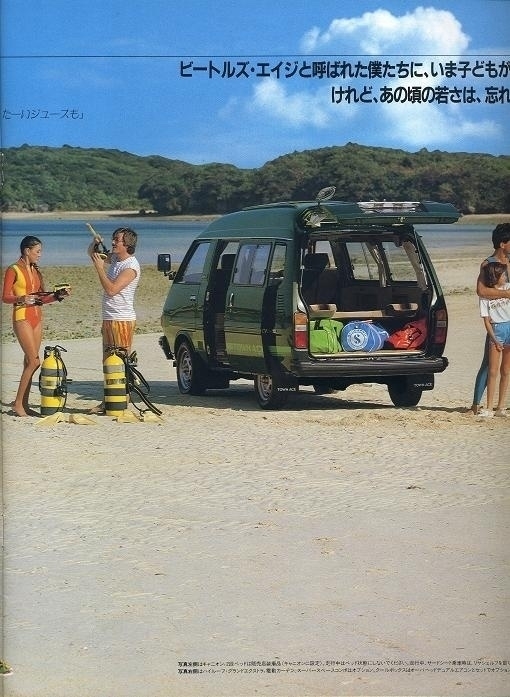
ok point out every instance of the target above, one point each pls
(23, 288)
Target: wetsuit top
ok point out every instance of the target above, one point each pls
(19, 282)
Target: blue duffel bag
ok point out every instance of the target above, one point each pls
(363, 336)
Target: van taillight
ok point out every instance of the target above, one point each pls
(300, 330)
(440, 326)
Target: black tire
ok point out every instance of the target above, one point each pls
(267, 395)
(191, 372)
(402, 395)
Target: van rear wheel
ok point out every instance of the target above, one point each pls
(268, 396)
(191, 372)
(402, 395)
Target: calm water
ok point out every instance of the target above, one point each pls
(65, 241)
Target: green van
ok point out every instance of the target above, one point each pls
(322, 293)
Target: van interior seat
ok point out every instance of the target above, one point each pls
(366, 297)
(227, 262)
(320, 283)
(317, 261)
(221, 282)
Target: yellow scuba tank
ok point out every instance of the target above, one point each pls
(115, 392)
(53, 381)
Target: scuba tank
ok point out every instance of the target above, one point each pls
(115, 390)
(53, 381)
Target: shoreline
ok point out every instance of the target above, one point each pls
(78, 215)
(469, 219)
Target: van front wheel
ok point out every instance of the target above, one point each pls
(190, 371)
(268, 395)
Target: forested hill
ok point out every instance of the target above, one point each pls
(37, 178)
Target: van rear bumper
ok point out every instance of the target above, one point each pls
(365, 368)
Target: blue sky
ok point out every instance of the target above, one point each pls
(107, 74)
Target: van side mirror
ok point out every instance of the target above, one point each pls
(165, 265)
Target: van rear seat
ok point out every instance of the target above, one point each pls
(365, 298)
(221, 282)
(320, 283)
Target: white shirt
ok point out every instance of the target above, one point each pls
(120, 307)
(497, 309)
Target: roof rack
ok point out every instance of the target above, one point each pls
(331, 212)
(377, 212)
(388, 206)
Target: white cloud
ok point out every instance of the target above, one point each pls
(296, 110)
(405, 124)
(423, 34)
(424, 30)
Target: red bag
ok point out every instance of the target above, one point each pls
(411, 336)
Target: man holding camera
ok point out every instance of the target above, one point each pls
(119, 282)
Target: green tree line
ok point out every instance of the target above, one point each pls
(39, 178)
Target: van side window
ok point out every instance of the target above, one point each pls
(277, 269)
(192, 271)
(365, 262)
(251, 265)
(405, 263)
(324, 247)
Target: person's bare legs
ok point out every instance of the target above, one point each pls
(492, 377)
(504, 380)
(30, 341)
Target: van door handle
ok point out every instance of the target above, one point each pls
(231, 301)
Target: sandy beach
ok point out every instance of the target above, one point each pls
(339, 547)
